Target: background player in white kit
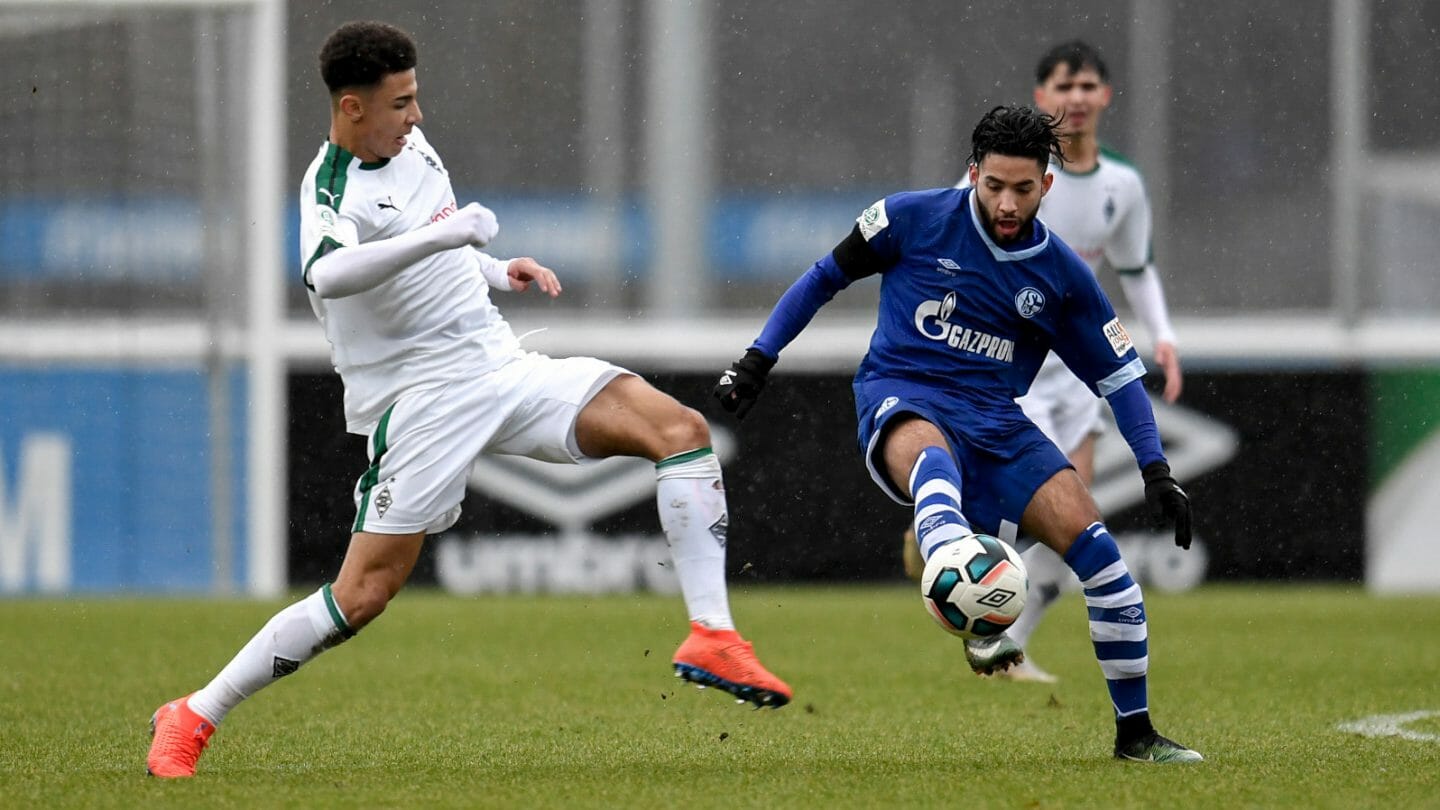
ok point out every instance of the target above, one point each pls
(435, 377)
(1097, 204)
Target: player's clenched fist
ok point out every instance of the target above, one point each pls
(740, 385)
(478, 224)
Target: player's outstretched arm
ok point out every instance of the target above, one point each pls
(740, 385)
(851, 260)
(1136, 420)
(348, 271)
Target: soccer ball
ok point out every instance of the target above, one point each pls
(974, 587)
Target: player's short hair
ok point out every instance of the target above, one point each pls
(1016, 132)
(363, 53)
(1076, 55)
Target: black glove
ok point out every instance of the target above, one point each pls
(741, 384)
(1167, 500)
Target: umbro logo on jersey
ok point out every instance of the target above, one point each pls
(947, 266)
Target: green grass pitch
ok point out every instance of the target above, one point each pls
(569, 702)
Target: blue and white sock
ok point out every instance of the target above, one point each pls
(935, 486)
(1117, 618)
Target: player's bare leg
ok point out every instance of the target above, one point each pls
(630, 417)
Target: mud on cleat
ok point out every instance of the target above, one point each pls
(178, 737)
(993, 654)
(1152, 747)
(724, 660)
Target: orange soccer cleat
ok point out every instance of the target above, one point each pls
(724, 660)
(178, 736)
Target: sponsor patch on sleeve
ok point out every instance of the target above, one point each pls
(872, 220)
(329, 224)
(1118, 337)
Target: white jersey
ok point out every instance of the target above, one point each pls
(429, 324)
(1103, 214)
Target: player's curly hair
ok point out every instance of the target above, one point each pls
(1016, 132)
(362, 54)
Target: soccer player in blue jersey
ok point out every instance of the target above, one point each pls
(974, 292)
(1098, 206)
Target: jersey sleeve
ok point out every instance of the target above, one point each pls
(882, 224)
(1128, 248)
(873, 246)
(1090, 338)
(326, 223)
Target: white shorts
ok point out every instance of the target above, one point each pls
(423, 447)
(1062, 406)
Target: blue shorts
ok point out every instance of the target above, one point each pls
(1002, 456)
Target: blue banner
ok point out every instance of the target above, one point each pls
(105, 481)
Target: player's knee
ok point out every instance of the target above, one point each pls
(683, 431)
(364, 601)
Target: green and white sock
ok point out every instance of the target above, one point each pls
(691, 497)
(291, 637)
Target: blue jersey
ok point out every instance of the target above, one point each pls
(962, 329)
(963, 314)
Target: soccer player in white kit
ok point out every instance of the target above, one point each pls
(1097, 204)
(435, 377)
